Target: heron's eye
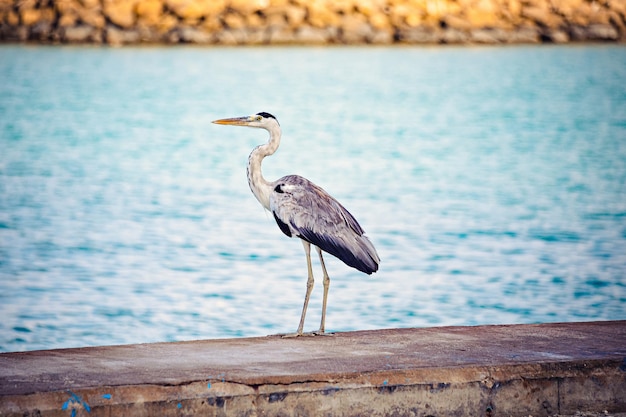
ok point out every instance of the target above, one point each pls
(259, 118)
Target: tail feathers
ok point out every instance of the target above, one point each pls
(359, 253)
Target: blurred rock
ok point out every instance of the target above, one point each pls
(595, 32)
(120, 12)
(556, 36)
(542, 16)
(524, 34)
(237, 22)
(355, 29)
(311, 35)
(196, 9)
(79, 34)
(452, 35)
(418, 35)
(117, 37)
(193, 35)
(489, 36)
(149, 12)
(382, 37)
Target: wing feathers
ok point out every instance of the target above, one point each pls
(303, 209)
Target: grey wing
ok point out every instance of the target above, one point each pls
(305, 210)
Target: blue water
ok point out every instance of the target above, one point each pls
(491, 180)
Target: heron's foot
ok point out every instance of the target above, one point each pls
(322, 333)
(307, 334)
(291, 335)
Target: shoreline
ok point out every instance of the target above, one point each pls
(320, 22)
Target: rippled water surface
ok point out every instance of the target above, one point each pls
(491, 180)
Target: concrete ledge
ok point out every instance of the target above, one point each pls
(518, 370)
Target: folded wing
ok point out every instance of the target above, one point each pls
(305, 210)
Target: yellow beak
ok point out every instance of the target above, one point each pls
(234, 121)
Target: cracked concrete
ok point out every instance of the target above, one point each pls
(517, 370)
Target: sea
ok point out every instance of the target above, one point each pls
(491, 180)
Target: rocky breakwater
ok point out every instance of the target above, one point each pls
(231, 22)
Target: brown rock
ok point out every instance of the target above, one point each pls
(79, 34)
(580, 15)
(489, 36)
(91, 4)
(514, 9)
(599, 14)
(415, 19)
(5, 6)
(67, 19)
(312, 35)
(397, 15)
(234, 21)
(196, 9)
(280, 35)
(555, 35)
(254, 21)
(8, 32)
(618, 23)
(248, 6)
(456, 22)
(565, 7)
(211, 24)
(381, 37)
(67, 7)
(371, 7)
(149, 12)
(120, 12)
(166, 23)
(341, 7)
(29, 16)
(320, 16)
(619, 7)
(41, 30)
(20, 34)
(256, 36)
(12, 18)
(380, 21)
(295, 15)
(26, 4)
(482, 14)
(48, 14)
(279, 3)
(116, 37)
(602, 32)
(194, 35)
(277, 21)
(435, 9)
(452, 36)
(355, 29)
(542, 16)
(314, 21)
(525, 34)
(92, 17)
(231, 37)
(418, 35)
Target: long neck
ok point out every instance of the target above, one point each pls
(260, 187)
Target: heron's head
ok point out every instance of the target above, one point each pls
(263, 120)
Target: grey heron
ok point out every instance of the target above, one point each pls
(304, 210)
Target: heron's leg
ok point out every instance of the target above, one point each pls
(309, 287)
(326, 285)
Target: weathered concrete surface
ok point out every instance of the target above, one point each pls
(517, 370)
